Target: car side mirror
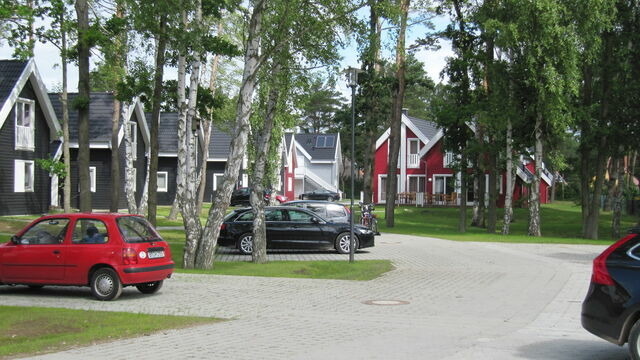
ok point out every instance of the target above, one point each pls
(315, 220)
(15, 239)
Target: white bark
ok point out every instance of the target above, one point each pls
(508, 198)
(534, 201)
(208, 242)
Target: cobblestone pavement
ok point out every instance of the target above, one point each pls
(463, 301)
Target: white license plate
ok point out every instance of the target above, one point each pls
(156, 254)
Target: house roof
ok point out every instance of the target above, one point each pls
(14, 75)
(100, 117)
(425, 130)
(10, 72)
(168, 140)
(309, 142)
(429, 129)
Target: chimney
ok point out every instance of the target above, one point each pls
(405, 111)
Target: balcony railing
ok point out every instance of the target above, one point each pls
(414, 160)
(25, 137)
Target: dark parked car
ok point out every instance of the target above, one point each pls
(327, 210)
(241, 197)
(103, 251)
(611, 309)
(291, 228)
(320, 194)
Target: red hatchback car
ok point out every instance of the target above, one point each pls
(103, 251)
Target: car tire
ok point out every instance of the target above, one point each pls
(634, 341)
(105, 284)
(150, 287)
(245, 243)
(342, 243)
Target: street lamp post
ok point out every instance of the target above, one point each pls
(352, 82)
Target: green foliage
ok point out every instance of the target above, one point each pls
(53, 167)
(80, 102)
(16, 21)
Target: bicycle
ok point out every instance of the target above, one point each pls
(368, 218)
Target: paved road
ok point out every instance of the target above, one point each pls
(463, 301)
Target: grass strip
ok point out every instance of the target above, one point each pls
(339, 270)
(38, 330)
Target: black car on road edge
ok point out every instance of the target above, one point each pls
(291, 228)
(611, 309)
(320, 194)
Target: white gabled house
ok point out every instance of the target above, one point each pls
(318, 162)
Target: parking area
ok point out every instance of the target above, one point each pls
(445, 300)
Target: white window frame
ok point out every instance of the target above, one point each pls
(19, 183)
(413, 164)
(289, 184)
(164, 174)
(25, 133)
(447, 159)
(215, 180)
(498, 184)
(92, 178)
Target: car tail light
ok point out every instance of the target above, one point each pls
(223, 227)
(129, 256)
(600, 273)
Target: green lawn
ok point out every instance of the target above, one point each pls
(561, 223)
(36, 330)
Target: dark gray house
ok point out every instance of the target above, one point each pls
(100, 114)
(28, 131)
(168, 159)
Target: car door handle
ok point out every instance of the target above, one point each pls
(57, 252)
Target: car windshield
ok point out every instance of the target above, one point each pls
(135, 229)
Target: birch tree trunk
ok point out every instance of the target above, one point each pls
(208, 242)
(129, 170)
(262, 139)
(508, 198)
(534, 203)
(115, 156)
(398, 98)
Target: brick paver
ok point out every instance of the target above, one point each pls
(465, 301)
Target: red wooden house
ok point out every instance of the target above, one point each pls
(424, 167)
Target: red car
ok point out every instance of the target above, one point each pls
(103, 251)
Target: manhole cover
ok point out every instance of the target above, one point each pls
(385, 302)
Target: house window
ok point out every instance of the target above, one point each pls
(325, 141)
(416, 183)
(163, 181)
(25, 125)
(414, 148)
(448, 159)
(134, 140)
(218, 180)
(382, 187)
(23, 176)
(443, 184)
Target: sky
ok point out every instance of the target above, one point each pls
(47, 60)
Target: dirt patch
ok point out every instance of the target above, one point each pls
(38, 327)
(302, 271)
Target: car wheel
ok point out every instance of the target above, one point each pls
(149, 288)
(105, 284)
(343, 243)
(245, 244)
(634, 341)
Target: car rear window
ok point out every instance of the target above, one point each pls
(334, 210)
(135, 229)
